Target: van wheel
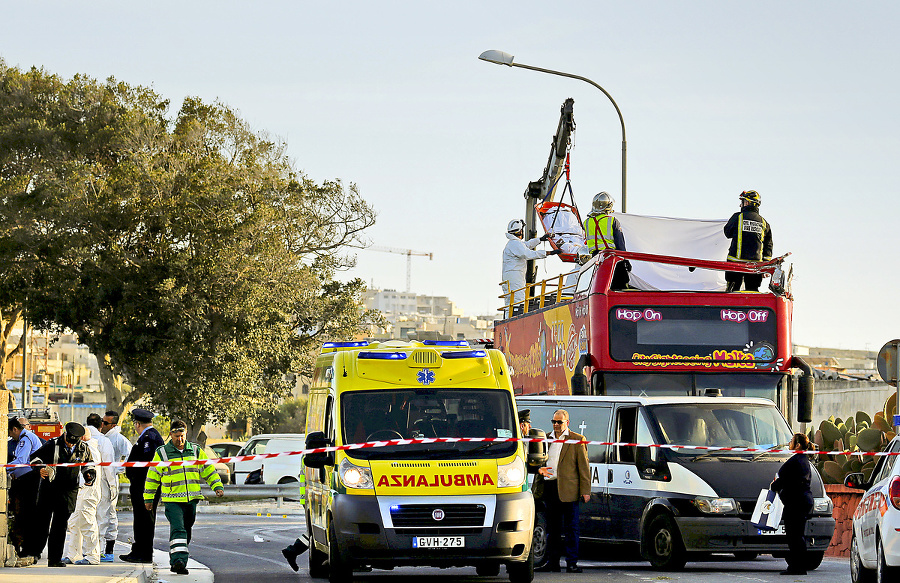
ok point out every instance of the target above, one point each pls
(814, 559)
(540, 540)
(340, 570)
(522, 572)
(663, 544)
(487, 569)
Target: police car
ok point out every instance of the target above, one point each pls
(875, 545)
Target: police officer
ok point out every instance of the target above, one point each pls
(58, 491)
(525, 421)
(144, 449)
(602, 231)
(751, 240)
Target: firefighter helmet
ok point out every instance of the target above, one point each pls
(516, 226)
(751, 196)
(602, 204)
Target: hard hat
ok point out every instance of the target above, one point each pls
(602, 204)
(515, 226)
(751, 196)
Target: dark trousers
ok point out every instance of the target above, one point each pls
(561, 517)
(794, 529)
(144, 522)
(620, 277)
(22, 503)
(751, 281)
(181, 517)
(51, 519)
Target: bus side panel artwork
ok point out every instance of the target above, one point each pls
(543, 348)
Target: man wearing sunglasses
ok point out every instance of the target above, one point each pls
(107, 517)
(58, 491)
(561, 484)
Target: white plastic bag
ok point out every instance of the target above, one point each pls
(767, 514)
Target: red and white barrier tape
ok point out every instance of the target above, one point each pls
(430, 440)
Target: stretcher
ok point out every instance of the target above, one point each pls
(563, 223)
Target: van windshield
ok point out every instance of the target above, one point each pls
(424, 413)
(721, 425)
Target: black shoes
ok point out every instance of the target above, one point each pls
(291, 557)
(55, 564)
(573, 569)
(132, 558)
(548, 568)
(179, 567)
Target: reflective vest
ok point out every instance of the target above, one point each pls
(179, 483)
(599, 232)
(303, 488)
(751, 248)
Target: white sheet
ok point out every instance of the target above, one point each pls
(696, 239)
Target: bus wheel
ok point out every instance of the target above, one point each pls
(540, 540)
(340, 570)
(663, 544)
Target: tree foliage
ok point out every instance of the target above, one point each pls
(186, 252)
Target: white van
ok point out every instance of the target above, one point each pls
(277, 470)
(675, 503)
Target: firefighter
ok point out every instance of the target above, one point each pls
(180, 490)
(751, 240)
(602, 231)
(516, 255)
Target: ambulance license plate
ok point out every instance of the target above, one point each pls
(776, 532)
(438, 542)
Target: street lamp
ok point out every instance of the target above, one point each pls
(501, 58)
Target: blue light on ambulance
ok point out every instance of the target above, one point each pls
(464, 354)
(382, 355)
(344, 344)
(445, 343)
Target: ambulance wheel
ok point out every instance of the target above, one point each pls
(488, 569)
(317, 562)
(814, 559)
(340, 570)
(540, 540)
(522, 572)
(663, 544)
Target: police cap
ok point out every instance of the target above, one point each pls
(74, 429)
(524, 415)
(142, 415)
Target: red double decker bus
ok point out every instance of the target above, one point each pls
(575, 335)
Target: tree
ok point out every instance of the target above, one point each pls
(188, 254)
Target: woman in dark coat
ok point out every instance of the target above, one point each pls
(792, 485)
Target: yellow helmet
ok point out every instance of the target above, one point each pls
(751, 196)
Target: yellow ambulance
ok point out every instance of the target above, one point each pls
(418, 502)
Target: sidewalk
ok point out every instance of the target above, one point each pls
(116, 572)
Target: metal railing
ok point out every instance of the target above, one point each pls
(277, 491)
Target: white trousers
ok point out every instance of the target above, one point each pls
(107, 519)
(83, 536)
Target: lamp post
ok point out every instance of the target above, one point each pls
(501, 58)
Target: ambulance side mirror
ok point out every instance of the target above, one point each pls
(316, 440)
(537, 450)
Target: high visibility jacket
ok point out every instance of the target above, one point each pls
(179, 483)
(751, 236)
(303, 488)
(603, 232)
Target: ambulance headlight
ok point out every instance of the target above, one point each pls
(511, 475)
(823, 505)
(354, 476)
(715, 505)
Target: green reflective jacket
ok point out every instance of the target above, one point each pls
(180, 483)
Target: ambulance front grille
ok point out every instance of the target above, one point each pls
(424, 357)
(422, 515)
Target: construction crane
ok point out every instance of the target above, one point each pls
(409, 254)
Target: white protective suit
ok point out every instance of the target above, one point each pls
(515, 258)
(83, 540)
(107, 519)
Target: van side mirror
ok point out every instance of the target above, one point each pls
(537, 451)
(316, 440)
(651, 464)
(856, 480)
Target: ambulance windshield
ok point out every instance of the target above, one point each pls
(424, 413)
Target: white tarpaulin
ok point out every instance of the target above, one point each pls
(695, 239)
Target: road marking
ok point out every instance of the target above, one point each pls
(257, 557)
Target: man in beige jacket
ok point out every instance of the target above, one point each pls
(562, 483)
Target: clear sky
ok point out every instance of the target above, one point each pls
(797, 100)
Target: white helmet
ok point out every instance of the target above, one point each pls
(602, 204)
(515, 226)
